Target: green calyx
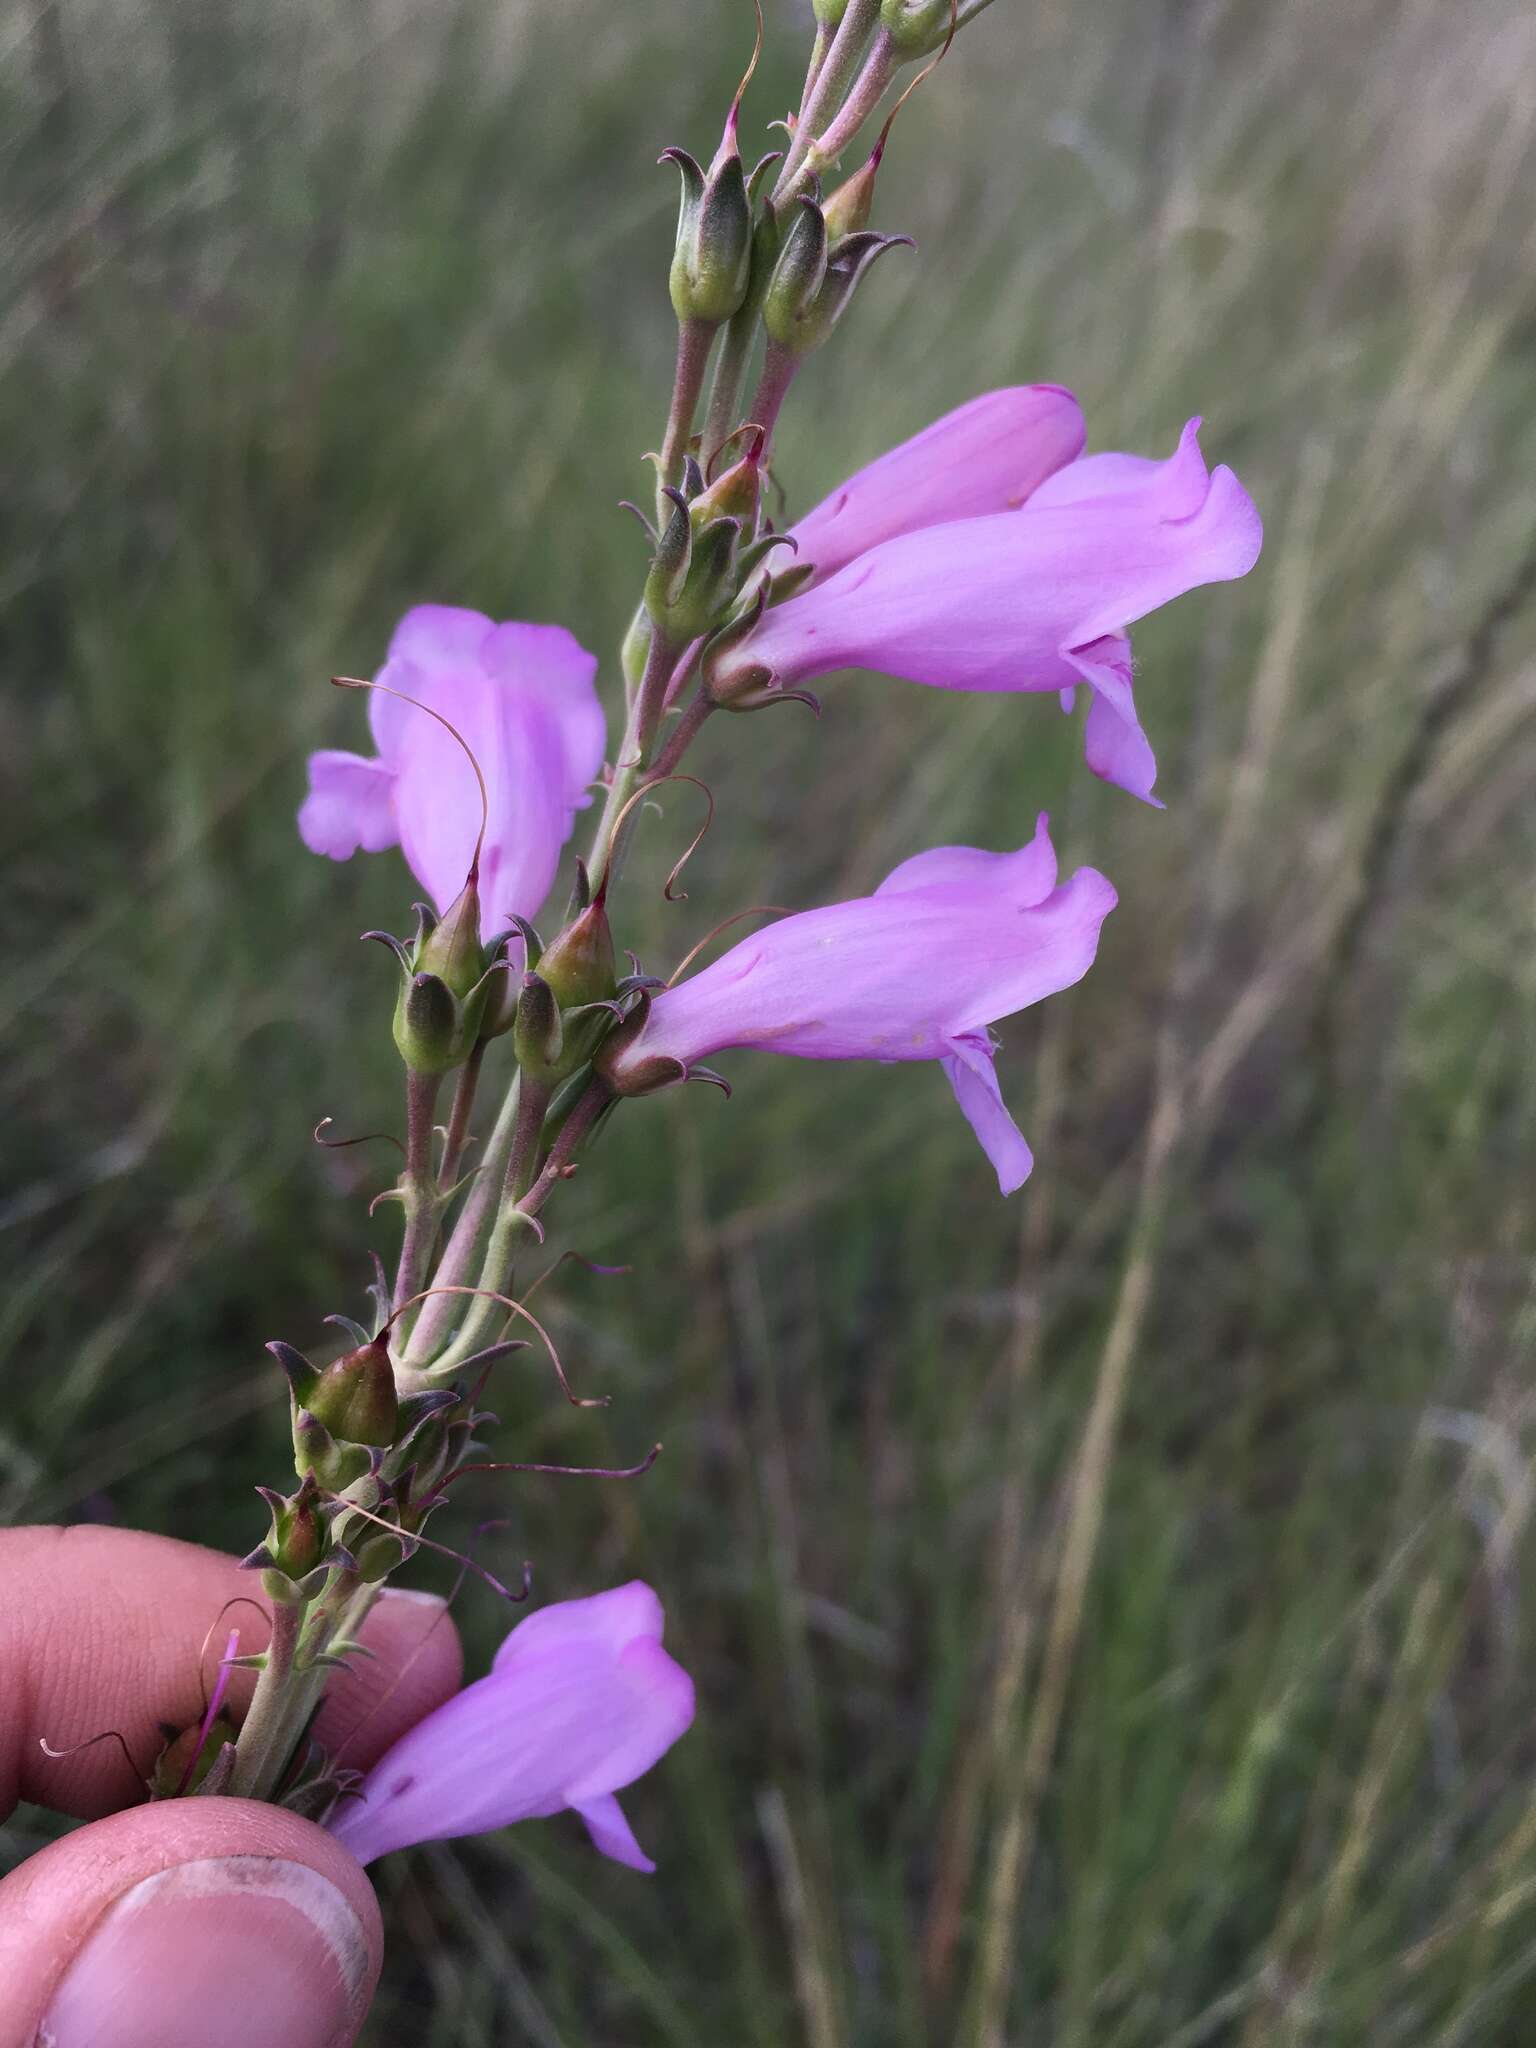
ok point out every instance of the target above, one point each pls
(183, 1766)
(552, 1043)
(446, 979)
(712, 256)
(578, 966)
(706, 554)
(354, 1396)
(343, 1413)
(916, 28)
(297, 1541)
(815, 278)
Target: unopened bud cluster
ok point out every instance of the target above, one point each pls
(358, 1444)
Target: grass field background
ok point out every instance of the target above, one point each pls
(1111, 1609)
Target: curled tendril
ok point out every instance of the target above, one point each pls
(516, 1307)
(746, 76)
(563, 1471)
(606, 1272)
(746, 427)
(360, 683)
(932, 65)
(367, 1138)
(239, 1600)
(645, 790)
(752, 910)
(107, 1735)
(408, 1540)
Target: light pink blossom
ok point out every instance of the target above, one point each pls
(523, 698)
(988, 455)
(945, 573)
(581, 1700)
(950, 942)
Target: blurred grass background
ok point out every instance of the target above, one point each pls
(1112, 1609)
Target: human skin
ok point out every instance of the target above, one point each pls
(243, 1918)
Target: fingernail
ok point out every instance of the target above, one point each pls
(408, 1594)
(239, 1950)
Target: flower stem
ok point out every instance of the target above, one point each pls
(824, 150)
(511, 1220)
(819, 48)
(418, 1186)
(731, 365)
(694, 338)
(293, 1679)
(779, 367)
(454, 1267)
(681, 737)
(516, 1216)
(836, 74)
(458, 1117)
(634, 758)
(265, 1739)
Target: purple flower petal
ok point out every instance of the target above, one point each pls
(952, 941)
(1023, 878)
(973, 1076)
(611, 1832)
(1036, 599)
(349, 806)
(987, 456)
(566, 1722)
(522, 698)
(617, 1618)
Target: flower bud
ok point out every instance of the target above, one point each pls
(847, 211)
(537, 1036)
(354, 1396)
(811, 288)
(798, 275)
(578, 966)
(316, 1451)
(737, 493)
(916, 27)
(830, 12)
(377, 1558)
(713, 252)
(297, 1541)
(427, 1027)
(446, 980)
(451, 948)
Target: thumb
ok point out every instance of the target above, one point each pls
(186, 1923)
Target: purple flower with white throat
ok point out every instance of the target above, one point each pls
(580, 1701)
(523, 698)
(952, 941)
(990, 554)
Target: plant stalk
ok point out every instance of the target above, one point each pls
(418, 1186)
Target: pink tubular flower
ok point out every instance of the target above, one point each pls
(986, 456)
(950, 942)
(990, 554)
(523, 698)
(581, 1700)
